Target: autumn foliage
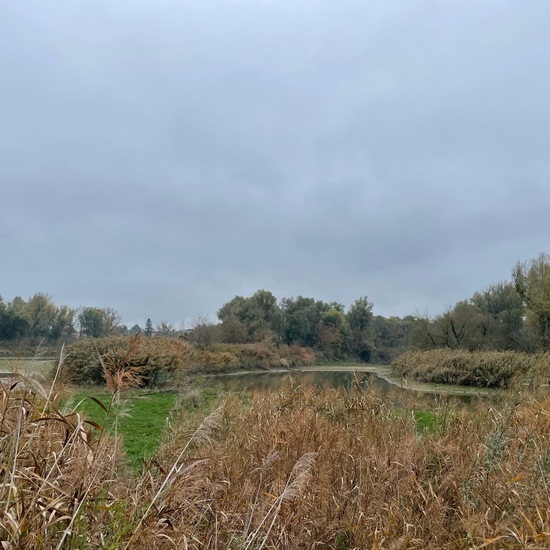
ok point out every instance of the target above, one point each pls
(288, 469)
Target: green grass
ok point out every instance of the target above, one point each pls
(427, 422)
(142, 415)
(141, 418)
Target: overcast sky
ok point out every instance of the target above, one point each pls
(162, 156)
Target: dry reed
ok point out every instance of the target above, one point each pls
(289, 469)
(484, 369)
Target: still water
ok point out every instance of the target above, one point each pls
(375, 377)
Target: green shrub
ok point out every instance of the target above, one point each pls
(157, 359)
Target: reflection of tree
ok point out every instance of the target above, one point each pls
(320, 380)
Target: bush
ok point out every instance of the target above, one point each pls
(299, 356)
(259, 355)
(156, 359)
(484, 369)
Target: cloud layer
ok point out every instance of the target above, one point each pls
(162, 157)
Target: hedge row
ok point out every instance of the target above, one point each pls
(483, 369)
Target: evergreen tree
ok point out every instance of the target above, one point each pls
(148, 328)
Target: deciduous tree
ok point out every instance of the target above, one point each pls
(260, 314)
(334, 334)
(94, 322)
(360, 323)
(532, 282)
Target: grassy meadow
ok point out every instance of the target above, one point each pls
(138, 418)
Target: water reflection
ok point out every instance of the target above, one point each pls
(255, 381)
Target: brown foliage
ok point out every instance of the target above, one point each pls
(258, 355)
(297, 469)
(157, 359)
(290, 469)
(52, 466)
(486, 369)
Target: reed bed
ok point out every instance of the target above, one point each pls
(289, 469)
(484, 369)
(298, 469)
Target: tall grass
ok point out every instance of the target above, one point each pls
(297, 469)
(290, 469)
(485, 369)
(50, 464)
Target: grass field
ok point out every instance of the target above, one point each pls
(138, 417)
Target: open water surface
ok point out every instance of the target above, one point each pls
(377, 377)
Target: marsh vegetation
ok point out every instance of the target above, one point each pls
(126, 443)
(295, 467)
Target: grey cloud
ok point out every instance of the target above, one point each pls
(160, 158)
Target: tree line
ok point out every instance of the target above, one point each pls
(509, 315)
(325, 326)
(330, 328)
(39, 319)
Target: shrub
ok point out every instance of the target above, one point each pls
(258, 355)
(157, 359)
(298, 356)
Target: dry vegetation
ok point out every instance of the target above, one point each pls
(289, 469)
(484, 369)
(225, 357)
(161, 360)
(157, 359)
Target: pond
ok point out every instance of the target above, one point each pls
(377, 377)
